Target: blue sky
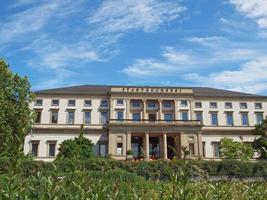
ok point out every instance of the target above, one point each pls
(214, 43)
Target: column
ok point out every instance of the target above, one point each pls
(128, 109)
(165, 148)
(199, 141)
(144, 109)
(160, 109)
(128, 141)
(191, 109)
(183, 142)
(111, 109)
(146, 149)
(175, 110)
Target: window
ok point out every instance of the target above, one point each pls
(216, 149)
(184, 115)
(168, 117)
(167, 104)
(71, 103)
(199, 116)
(136, 104)
(152, 117)
(70, 117)
(198, 105)
(51, 148)
(183, 103)
(38, 102)
(102, 149)
(228, 105)
(104, 103)
(151, 104)
(54, 116)
(214, 119)
(204, 149)
(243, 105)
(244, 118)
(259, 118)
(34, 148)
(258, 105)
(38, 116)
(120, 115)
(87, 117)
(120, 102)
(136, 117)
(213, 104)
(119, 148)
(191, 149)
(104, 117)
(55, 102)
(229, 119)
(87, 103)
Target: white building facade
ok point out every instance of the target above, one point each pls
(152, 122)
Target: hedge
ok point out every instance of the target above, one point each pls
(150, 170)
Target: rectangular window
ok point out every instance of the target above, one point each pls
(213, 104)
(228, 105)
(104, 117)
(184, 103)
(38, 116)
(229, 119)
(198, 105)
(70, 119)
(191, 149)
(214, 119)
(168, 117)
(216, 149)
(244, 118)
(152, 117)
(34, 148)
(199, 116)
(151, 104)
(136, 104)
(52, 148)
(258, 105)
(136, 116)
(119, 149)
(87, 103)
(102, 150)
(55, 102)
(71, 102)
(204, 149)
(54, 116)
(104, 103)
(87, 117)
(259, 118)
(167, 104)
(120, 102)
(120, 115)
(184, 115)
(38, 102)
(243, 105)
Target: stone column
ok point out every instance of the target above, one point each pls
(146, 149)
(191, 110)
(144, 109)
(128, 141)
(111, 109)
(128, 108)
(175, 110)
(165, 147)
(183, 141)
(199, 141)
(160, 110)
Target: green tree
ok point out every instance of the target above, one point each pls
(260, 144)
(79, 148)
(231, 149)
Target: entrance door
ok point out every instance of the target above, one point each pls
(137, 147)
(154, 150)
(171, 147)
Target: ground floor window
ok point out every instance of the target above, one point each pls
(204, 149)
(52, 148)
(191, 149)
(34, 147)
(119, 148)
(102, 149)
(216, 149)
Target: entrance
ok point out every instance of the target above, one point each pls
(171, 149)
(137, 147)
(154, 150)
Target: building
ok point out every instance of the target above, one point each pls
(153, 122)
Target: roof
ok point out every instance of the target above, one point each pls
(105, 89)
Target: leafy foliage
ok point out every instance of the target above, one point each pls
(231, 149)
(80, 148)
(260, 144)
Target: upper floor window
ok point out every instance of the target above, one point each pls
(136, 116)
(243, 105)
(259, 118)
(136, 103)
(167, 104)
(198, 105)
(38, 102)
(199, 116)
(104, 117)
(55, 102)
(244, 118)
(213, 104)
(54, 116)
(214, 119)
(104, 103)
(228, 105)
(229, 119)
(151, 104)
(71, 102)
(34, 147)
(38, 116)
(184, 103)
(184, 115)
(70, 117)
(87, 103)
(258, 105)
(120, 115)
(87, 117)
(168, 117)
(120, 102)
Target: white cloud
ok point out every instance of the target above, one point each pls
(19, 3)
(254, 9)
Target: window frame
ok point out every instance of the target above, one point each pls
(259, 103)
(257, 118)
(242, 119)
(119, 112)
(245, 103)
(198, 102)
(49, 142)
(168, 114)
(217, 119)
(184, 105)
(51, 120)
(214, 150)
(37, 104)
(52, 102)
(228, 107)
(71, 105)
(167, 103)
(34, 142)
(87, 105)
(102, 104)
(215, 103)
(101, 122)
(68, 116)
(37, 111)
(196, 114)
(120, 104)
(84, 117)
(136, 113)
(227, 122)
(187, 115)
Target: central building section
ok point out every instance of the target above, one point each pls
(150, 122)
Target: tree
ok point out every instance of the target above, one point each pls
(260, 144)
(231, 149)
(79, 148)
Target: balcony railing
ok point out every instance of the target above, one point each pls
(147, 121)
